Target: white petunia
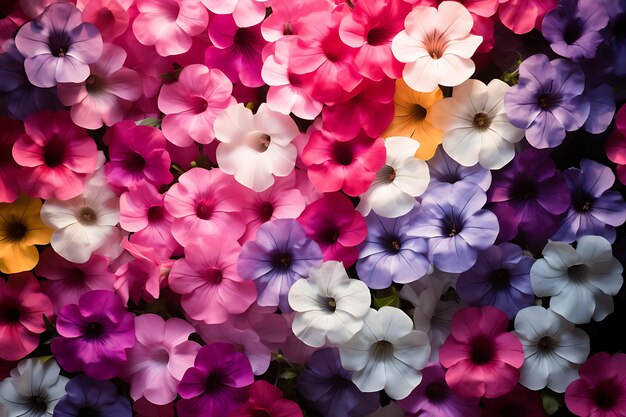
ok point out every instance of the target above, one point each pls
(386, 354)
(553, 349)
(398, 182)
(33, 389)
(476, 129)
(329, 306)
(255, 147)
(580, 281)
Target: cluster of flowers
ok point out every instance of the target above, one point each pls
(288, 208)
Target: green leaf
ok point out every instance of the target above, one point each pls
(550, 404)
(288, 373)
(151, 121)
(387, 297)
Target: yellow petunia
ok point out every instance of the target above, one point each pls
(20, 230)
(410, 118)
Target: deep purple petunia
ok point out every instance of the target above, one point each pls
(280, 255)
(595, 210)
(445, 169)
(529, 196)
(391, 253)
(88, 397)
(499, 278)
(573, 28)
(58, 46)
(548, 101)
(217, 384)
(617, 35)
(94, 335)
(453, 220)
(331, 389)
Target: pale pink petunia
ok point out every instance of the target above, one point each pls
(169, 25)
(245, 12)
(109, 16)
(106, 95)
(192, 104)
(289, 16)
(437, 46)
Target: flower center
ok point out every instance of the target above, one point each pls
(379, 36)
(134, 162)
(419, 112)
(214, 276)
(161, 356)
(382, 349)
(481, 350)
(199, 105)
(59, 44)
(332, 47)
(523, 190)
(14, 231)
(54, 152)
(288, 28)
(572, 32)
(548, 101)
(94, 84)
(282, 260)
(214, 383)
(204, 209)
(606, 394)
(87, 216)
(76, 276)
(10, 314)
(343, 153)
(578, 273)
(260, 412)
(435, 46)
(436, 392)
(258, 141)
(265, 211)
(88, 412)
(619, 26)
(155, 214)
(481, 121)
(39, 405)
(546, 344)
(395, 245)
(329, 235)
(93, 330)
(500, 279)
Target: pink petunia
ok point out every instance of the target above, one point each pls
(289, 16)
(169, 25)
(246, 13)
(267, 400)
(56, 156)
(192, 104)
(521, 16)
(109, 16)
(208, 280)
(484, 8)
(10, 131)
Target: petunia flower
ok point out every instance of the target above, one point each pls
(111, 17)
(329, 306)
(615, 146)
(86, 395)
(10, 131)
(20, 230)
(580, 282)
(436, 45)
(553, 349)
(444, 169)
(56, 156)
(525, 402)
(386, 353)
(411, 118)
(475, 125)
(267, 399)
(521, 16)
(482, 358)
(262, 140)
(245, 12)
(288, 17)
(23, 310)
(94, 335)
(58, 46)
(159, 359)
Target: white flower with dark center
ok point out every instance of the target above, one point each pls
(398, 182)
(86, 223)
(553, 349)
(33, 389)
(386, 354)
(580, 281)
(329, 306)
(475, 125)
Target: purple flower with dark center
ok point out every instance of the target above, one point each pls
(447, 170)
(595, 210)
(499, 278)
(617, 33)
(453, 220)
(391, 253)
(331, 389)
(529, 196)
(573, 28)
(217, 384)
(548, 101)
(280, 255)
(58, 46)
(88, 397)
(94, 335)
(433, 397)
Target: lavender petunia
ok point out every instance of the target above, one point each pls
(500, 278)
(444, 169)
(453, 220)
(88, 397)
(58, 46)
(595, 210)
(390, 253)
(548, 101)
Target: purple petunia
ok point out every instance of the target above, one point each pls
(88, 397)
(548, 101)
(444, 169)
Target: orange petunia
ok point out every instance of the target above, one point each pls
(410, 118)
(20, 230)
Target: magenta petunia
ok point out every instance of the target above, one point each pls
(267, 400)
(111, 17)
(10, 131)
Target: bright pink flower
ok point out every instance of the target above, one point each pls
(338, 164)
(56, 156)
(483, 26)
(22, 307)
(245, 12)
(192, 104)
(336, 226)
(236, 50)
(159, 359)
(616, 145)
(601, 389)
(321, 53)
(267, 400)
(371, 28)
(136, 153)
(106, 95)
(208, 280)
(521, 16)
(109, 16)
(369, 107)
(10, 131)
(205, 203)
(482, 358)
(289, 16)
(142, 212)
(169, 24)
(485, 8)
(67, 281)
